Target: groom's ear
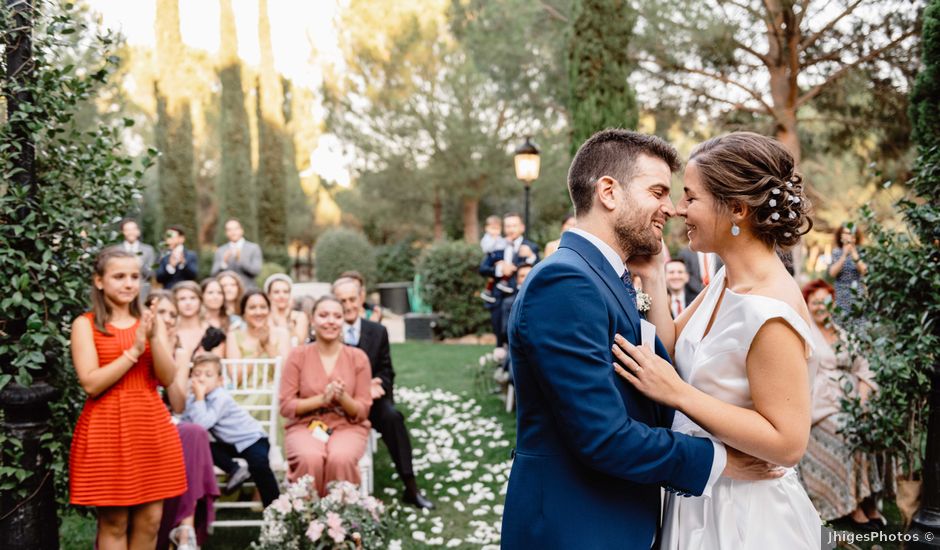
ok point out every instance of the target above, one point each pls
(605, 192)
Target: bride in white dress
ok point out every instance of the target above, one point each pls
(740, 349)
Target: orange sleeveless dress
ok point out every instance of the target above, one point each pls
(125, 450)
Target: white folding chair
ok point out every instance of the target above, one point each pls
(257, 380)
(365, 465)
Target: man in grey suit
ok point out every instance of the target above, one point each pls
(238, 255)
(144, 252)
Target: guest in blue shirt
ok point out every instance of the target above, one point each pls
(236, 432)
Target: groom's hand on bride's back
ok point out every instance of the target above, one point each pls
(747, 468)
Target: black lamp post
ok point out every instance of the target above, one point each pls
(926, 522)
(527, 170)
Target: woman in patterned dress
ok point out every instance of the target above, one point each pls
(840, 482)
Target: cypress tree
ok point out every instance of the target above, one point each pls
(271, 182)
(925, 96)
(174, 126)
(237, 196)
(599, 94)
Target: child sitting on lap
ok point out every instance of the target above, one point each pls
(237, 433)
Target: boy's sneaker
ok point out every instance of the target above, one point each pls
(504, 288)
(235, 480)
(487, 297)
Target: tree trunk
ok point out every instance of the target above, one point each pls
(471, 222)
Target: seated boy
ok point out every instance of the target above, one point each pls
(237, 433)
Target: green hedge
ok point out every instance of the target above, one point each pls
(340, 250)
(451, 284)
(396, 262)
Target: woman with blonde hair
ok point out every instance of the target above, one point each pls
(278, 288)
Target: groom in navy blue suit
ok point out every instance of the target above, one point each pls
(591, 451)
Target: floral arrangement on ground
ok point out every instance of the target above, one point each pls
(300, 520)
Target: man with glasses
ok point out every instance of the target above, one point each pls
(177, 263)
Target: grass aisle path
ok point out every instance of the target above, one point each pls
(462, 438)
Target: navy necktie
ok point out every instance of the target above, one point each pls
(627, 280)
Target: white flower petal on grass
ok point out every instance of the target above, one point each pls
(453, 542)
(418, 535)
(394, 544)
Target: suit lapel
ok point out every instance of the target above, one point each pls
(597, 262)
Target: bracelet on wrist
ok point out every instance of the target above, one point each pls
(128, 355)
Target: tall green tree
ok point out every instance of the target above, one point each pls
(421, 110)
(174, 131)
(769, 59)
(599, 66)
(236, 185)
(271, 182)
(925, 97)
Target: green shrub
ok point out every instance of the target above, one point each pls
(396, 262)
(451, 284)
(340, 250)
(901, 337)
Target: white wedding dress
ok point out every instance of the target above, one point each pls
(759, 515)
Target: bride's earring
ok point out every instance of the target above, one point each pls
(735, 230)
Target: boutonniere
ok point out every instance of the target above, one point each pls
(643, 302)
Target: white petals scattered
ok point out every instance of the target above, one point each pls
(450, 435)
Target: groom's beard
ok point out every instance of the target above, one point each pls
(635, 236)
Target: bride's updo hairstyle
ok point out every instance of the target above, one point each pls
(758, 172)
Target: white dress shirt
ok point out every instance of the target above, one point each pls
(352, 339)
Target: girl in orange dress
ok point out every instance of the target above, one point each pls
(326, 383)
(126, 455)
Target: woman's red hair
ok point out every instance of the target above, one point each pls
(813, 286)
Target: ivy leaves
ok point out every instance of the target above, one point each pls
(51, 229)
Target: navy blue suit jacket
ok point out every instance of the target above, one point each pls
(591, 451)
(188, 272)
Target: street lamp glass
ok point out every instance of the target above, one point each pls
(527, 167)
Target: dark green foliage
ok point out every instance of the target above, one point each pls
(271, 186)
(903, 285)
(174, 130)
(902, 341)
(271, 180)
(925, 97)
(451, 284)
(50, 234)
(340, 250)
(236, 186)
(599, 65)
(902, 288)
(396, 262)
(174, 135)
